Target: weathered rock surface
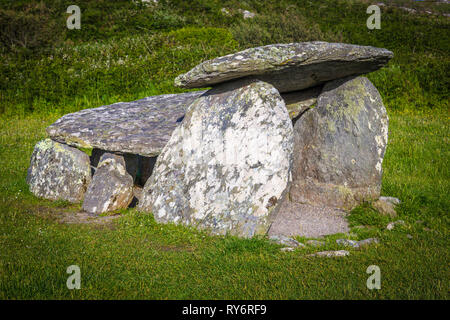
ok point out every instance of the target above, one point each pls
(287, 241)
(357, 244)
(58, 172)
(140, 127)
(227, 165)
(247, 14)
(288, 67)
(385, 207)
(367, 242)
(340, 145)
(139, 167)
(391, 225)
(347, 243)
(111, 187)
(330, 254)
(132, 161)
(296, 219)
(392, 200)
(298, 102)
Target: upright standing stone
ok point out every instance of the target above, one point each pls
(111, 187)
(58, 172)
(340, 145)
(228, 164)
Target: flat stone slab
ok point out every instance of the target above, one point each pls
(288, 67)
(295, 219)
(140, 127)
(144, 126)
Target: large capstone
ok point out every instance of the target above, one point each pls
(58, 172)
(140, 127)
(111, 187)
(226, 167)
(288, 67)
(340, 145)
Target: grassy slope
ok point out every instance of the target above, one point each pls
(141, 259)
(138, 258)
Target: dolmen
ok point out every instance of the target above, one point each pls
(289, 138)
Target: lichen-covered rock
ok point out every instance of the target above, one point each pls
(228, 164)
(139, 167)
(392, 200)
(340, 145)
(347, 243)
(298, 102)
(247, 14)
(367, 242)
(385, 207)
(111, 187)
(58, 172)
(330, 254)
(287, 241)
(140, 127)
(288, 67)
(132, 161)
(391, 225)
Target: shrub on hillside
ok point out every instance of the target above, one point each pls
(32, 28)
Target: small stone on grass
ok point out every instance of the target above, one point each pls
(391, 225)
(330, 254)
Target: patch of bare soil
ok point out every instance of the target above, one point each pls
(81, 217)
(71, 216)
(295, 219)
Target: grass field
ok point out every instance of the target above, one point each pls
(130, 54)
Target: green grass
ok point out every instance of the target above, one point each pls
(97, 73)
(138, 258)
(124, 52)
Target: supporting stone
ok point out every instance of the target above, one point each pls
(111, 187)
(58, 172)
(340, 145)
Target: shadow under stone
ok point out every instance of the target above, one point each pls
(139, 167)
